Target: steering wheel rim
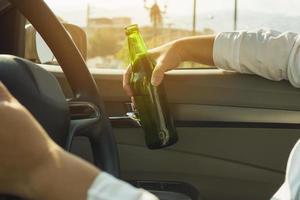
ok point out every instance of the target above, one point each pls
(80, 80)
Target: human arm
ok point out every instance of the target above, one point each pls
(169, 56)
(32, 166)
(267, 53)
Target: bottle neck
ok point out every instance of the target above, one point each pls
(136, 45)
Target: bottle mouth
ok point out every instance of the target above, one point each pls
(131, 29)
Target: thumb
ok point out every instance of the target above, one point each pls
(157, 75)
(4, 93)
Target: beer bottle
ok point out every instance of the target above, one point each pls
(150, 101)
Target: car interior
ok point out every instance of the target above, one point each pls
(235, 130)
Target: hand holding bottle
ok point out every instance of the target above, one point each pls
(150, 99)
(167, 57)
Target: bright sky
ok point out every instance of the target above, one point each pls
(182, 6)
(74, 11)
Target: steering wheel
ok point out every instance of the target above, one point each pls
(50, 107)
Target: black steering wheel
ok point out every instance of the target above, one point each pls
(40, 92)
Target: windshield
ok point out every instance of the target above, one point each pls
(165, 20)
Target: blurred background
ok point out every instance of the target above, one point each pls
(161, 21)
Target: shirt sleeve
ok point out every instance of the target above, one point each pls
(267, 53)
(106, 187)
(290, 189)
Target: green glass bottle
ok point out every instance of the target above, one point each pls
(150, 101)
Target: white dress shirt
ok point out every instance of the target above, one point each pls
(107, 187)
(272, 55)
(291, 187)
(267, 53)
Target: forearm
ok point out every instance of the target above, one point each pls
(169, 56)
(66, 176)
(267, 53)
(197, 49)
(63, 176)
(37, 168)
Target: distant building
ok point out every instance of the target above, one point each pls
(103, 22)
(121, 21)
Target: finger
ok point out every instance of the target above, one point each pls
(157, 75)
(4, 93)
(133, 104)
(126, 80)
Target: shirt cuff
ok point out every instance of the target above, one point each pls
(226, 50)
(107, 187)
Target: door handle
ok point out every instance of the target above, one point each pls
(129, 119)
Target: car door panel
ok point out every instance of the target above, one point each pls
(204, 87)
(235, 132)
